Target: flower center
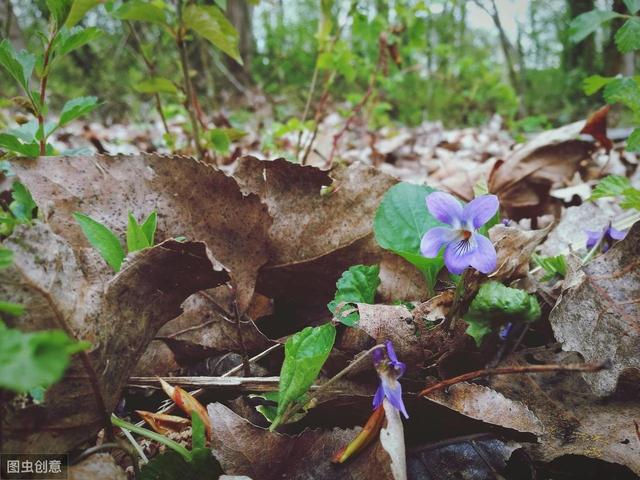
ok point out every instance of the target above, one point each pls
(465, 234)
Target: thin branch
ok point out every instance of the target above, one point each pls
(571, 367)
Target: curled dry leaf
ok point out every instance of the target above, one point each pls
(187, 403)
(245, 449)
(192, 200)
(514, 248)
(523, 181)
(163, 423)
(487, 405)
(315, 236)
(575, 421)
(596, 126)
(119, 319)
(599, 314)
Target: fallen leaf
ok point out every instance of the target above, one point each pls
(118, 318)
(192, 200)
(245, 449)
(392, 441)
(99, 466)
(482, 403)
(524, 180)
(599, 314)
(514, 248)
(596, 126)
(163, 423)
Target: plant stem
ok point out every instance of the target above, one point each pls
(43, 90)
(572, 367)
(175, 446)
(190, 104)
(295, 407)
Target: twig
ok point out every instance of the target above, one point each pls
(246, 367)
(571, 367)
(235, 384)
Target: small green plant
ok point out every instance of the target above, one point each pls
(553, 266)
(619, 187)
(21, 210)
(357, 285)
(138, 237)
(30, 139)
(496, 305)
(624, 90)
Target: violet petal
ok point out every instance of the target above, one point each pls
(434, 239)
(480, 210)
(484, 257)
(445, 208)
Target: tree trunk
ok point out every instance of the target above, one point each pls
(241, 14)
(614, 60)
(10, 27)
(581, 54)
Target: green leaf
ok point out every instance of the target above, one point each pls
(26, 132)
(632, 5)
(59, 10)
(171, 466)
(585, 24)
(209, 22)
(156, 85)
(623, 90)
(102, 239)
(12, 144)
(19, 65)
(138, 10)
(633, 142)
(6, 257)
(496, 305)
(76, 108)
(79, 9)
(595, 83)
(149, 227)
(554, 266)
(23, 204)
(136, 237)
(357, 285)
(70, 41)
(611, 186)
(198, 439)
(14, 309)
(304, 354)
(631, 199)
(628, 36)
(35, 359)
(220, 140)
(400, 222)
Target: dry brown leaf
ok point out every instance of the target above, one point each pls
(575, 421)
(314, 236)
(99, 466)
(400, 281)
(119, 319)
(487, 405)
(392, 441)
(192, 200)
(245, 449)
(514, 248)
(599, 314)
(523, 181)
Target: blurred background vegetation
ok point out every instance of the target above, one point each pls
(455, 61)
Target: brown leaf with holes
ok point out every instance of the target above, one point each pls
(523, 180)
(119, 318)
(192, 200)
(598, 314)
(245, 449)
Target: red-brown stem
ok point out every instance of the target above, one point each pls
(43, 91)
(571, 367)
(365, 437)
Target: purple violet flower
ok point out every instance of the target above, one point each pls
(390, 369)
(608, 235)
(465, 247)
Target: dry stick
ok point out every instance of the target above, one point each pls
(246, 367)
(152, 70)
(571, 367)
(294, 408)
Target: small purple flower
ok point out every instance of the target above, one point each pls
(464, 245)
(608, 235)
(390, 369)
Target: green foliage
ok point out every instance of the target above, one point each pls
(79, 9)
(108, 244)
(496, 305)
(68, 41)
(220, 140)
(632, 5)
(619, 187)
(585, 24)
(210, 23)
(22, 207)
(18, 65)
(34, 359)
(357, 285)
(139, 10)
(59, 10)
(628, 37)
(76, 108)
(400, 222)
(595, 83)
(156, 85)
(553, 266)
(304, 354)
